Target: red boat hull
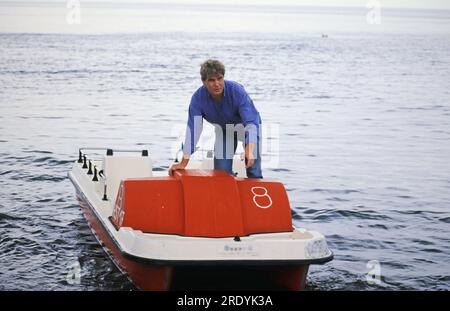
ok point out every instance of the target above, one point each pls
(160, 277)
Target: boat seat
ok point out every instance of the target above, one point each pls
(203, 203)
(119, 167)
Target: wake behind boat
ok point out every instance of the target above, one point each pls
(199, 229)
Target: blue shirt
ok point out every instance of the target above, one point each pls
(236, 107)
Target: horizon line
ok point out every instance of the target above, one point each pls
(253, 3)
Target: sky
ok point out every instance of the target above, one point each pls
(426, 4)
(70, 16)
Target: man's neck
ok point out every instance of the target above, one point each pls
(218, 99)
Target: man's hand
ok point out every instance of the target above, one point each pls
(174, 167)
(179, 166)
(249, 155)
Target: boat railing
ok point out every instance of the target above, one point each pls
(90, 163)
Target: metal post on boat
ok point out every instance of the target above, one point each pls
(176, 155)
(84, 161)
(95, 174)
(89, 172)
(80, 156)
(176, 158)
(105, 198)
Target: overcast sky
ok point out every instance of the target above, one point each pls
(427, 4)
(363, 3)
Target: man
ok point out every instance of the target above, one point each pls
(230, 109)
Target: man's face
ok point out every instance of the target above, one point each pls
(215, 85)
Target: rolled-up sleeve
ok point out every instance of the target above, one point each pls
(250, 118)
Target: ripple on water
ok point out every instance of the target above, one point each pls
(335, 214)
(4, 216)
(445, 219)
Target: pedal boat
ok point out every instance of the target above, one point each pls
(199, 229)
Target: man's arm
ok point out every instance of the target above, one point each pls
(251, 121)
(194, 126)
(193, 130)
